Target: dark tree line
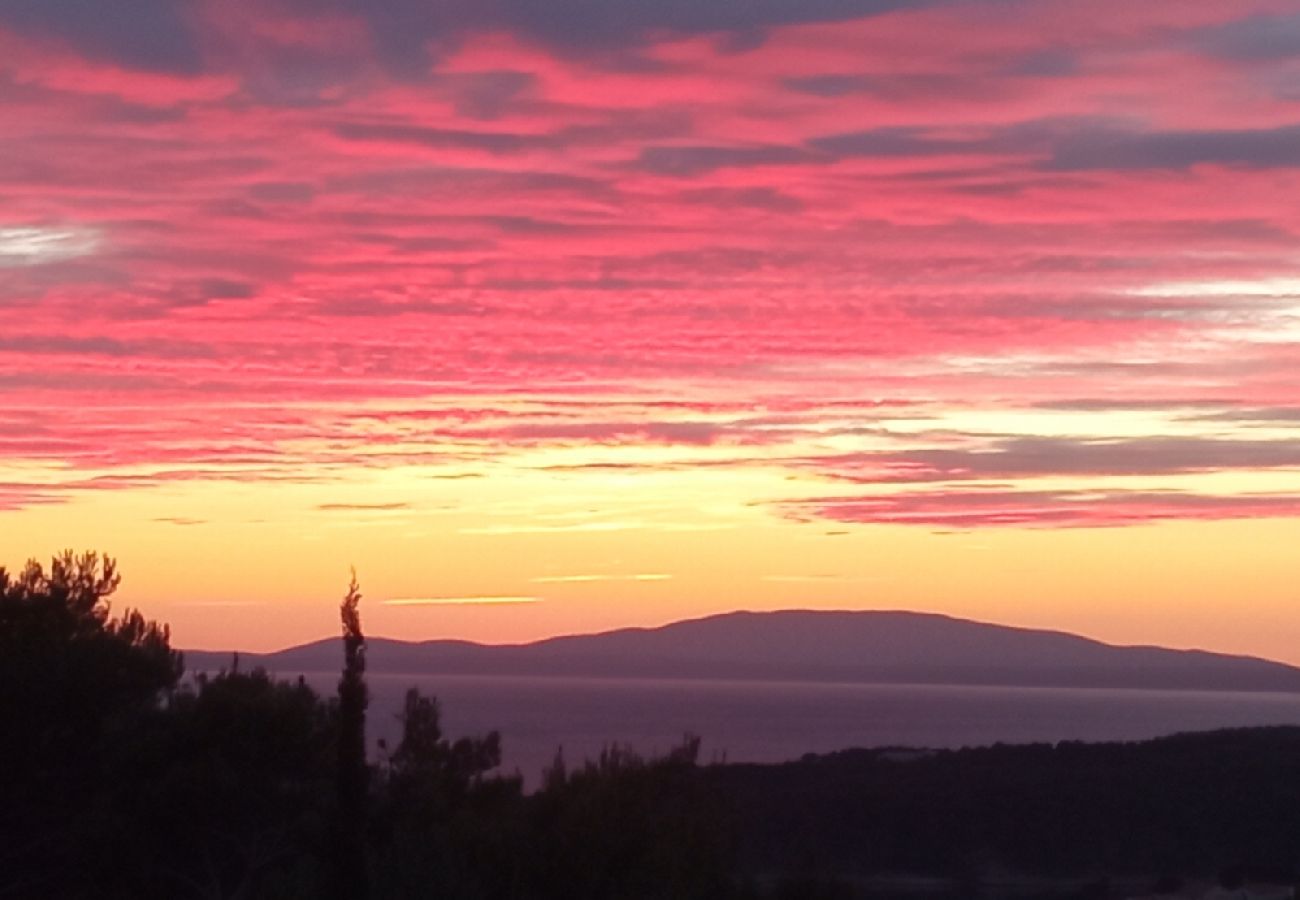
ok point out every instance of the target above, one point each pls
(120, 778)
(1185, 806)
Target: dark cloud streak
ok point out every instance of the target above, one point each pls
(145, 34)
(1256, 38)
(165, 35)
(1261, 148)
(1036, 457)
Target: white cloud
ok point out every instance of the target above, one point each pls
(1261, 287)
(34, 246)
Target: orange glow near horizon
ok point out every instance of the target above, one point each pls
(271, 583)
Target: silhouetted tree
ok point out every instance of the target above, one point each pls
(629, 827)
(426, 767)
(234, 789)
(444, 828)
(57, 624)
(76, 684)
(352, 774)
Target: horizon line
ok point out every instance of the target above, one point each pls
(734, 612)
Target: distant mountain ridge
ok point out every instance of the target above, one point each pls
(801, 645)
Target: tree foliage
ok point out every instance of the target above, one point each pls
(253, 756)
(77, 688)
(58, 623)
(352, 772)
(622, 825)
(121, 781)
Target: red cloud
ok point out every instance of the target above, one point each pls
(230, 238)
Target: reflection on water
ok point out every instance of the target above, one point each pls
(755, 721)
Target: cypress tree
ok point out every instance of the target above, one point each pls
(351, 882)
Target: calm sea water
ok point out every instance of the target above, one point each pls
(757, 721)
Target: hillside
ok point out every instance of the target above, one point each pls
(867, 646)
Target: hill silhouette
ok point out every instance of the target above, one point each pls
(863, 647)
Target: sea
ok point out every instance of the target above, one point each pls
(776, 721)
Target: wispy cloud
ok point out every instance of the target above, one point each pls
(570, 579)
(1041, 509)
(363, 507)
(580, 527)
(36, 246)
(485, 600)
(218, 604)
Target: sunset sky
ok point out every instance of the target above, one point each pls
(563, 316)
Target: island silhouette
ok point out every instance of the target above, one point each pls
(885, 647)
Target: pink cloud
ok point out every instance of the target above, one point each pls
(936, 204)
(1039, 509)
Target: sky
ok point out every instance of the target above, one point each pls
(560, 317)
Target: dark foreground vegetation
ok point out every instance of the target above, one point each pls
(122, 779)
